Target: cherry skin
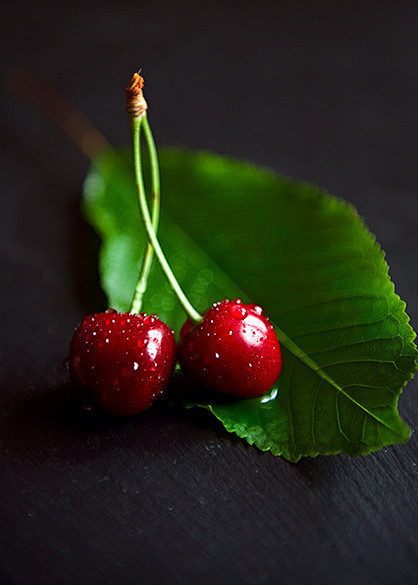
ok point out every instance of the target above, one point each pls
(234, 350)
(121, 362)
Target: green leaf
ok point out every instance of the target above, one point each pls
(230, 229)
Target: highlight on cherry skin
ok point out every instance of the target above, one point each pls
(121, 362)
(234, 350)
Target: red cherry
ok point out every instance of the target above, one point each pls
(121, 362)
(234, 350)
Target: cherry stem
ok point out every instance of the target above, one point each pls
(142, 283)
(135, 123)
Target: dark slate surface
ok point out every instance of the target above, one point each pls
(324, 91)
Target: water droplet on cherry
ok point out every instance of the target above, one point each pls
(237, 311)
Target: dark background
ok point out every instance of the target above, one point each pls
(323, 91)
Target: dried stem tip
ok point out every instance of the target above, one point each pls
(135, 101)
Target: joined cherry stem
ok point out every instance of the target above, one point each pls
(142, 283)
(151, 224)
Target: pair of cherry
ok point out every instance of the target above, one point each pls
(122, 361)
